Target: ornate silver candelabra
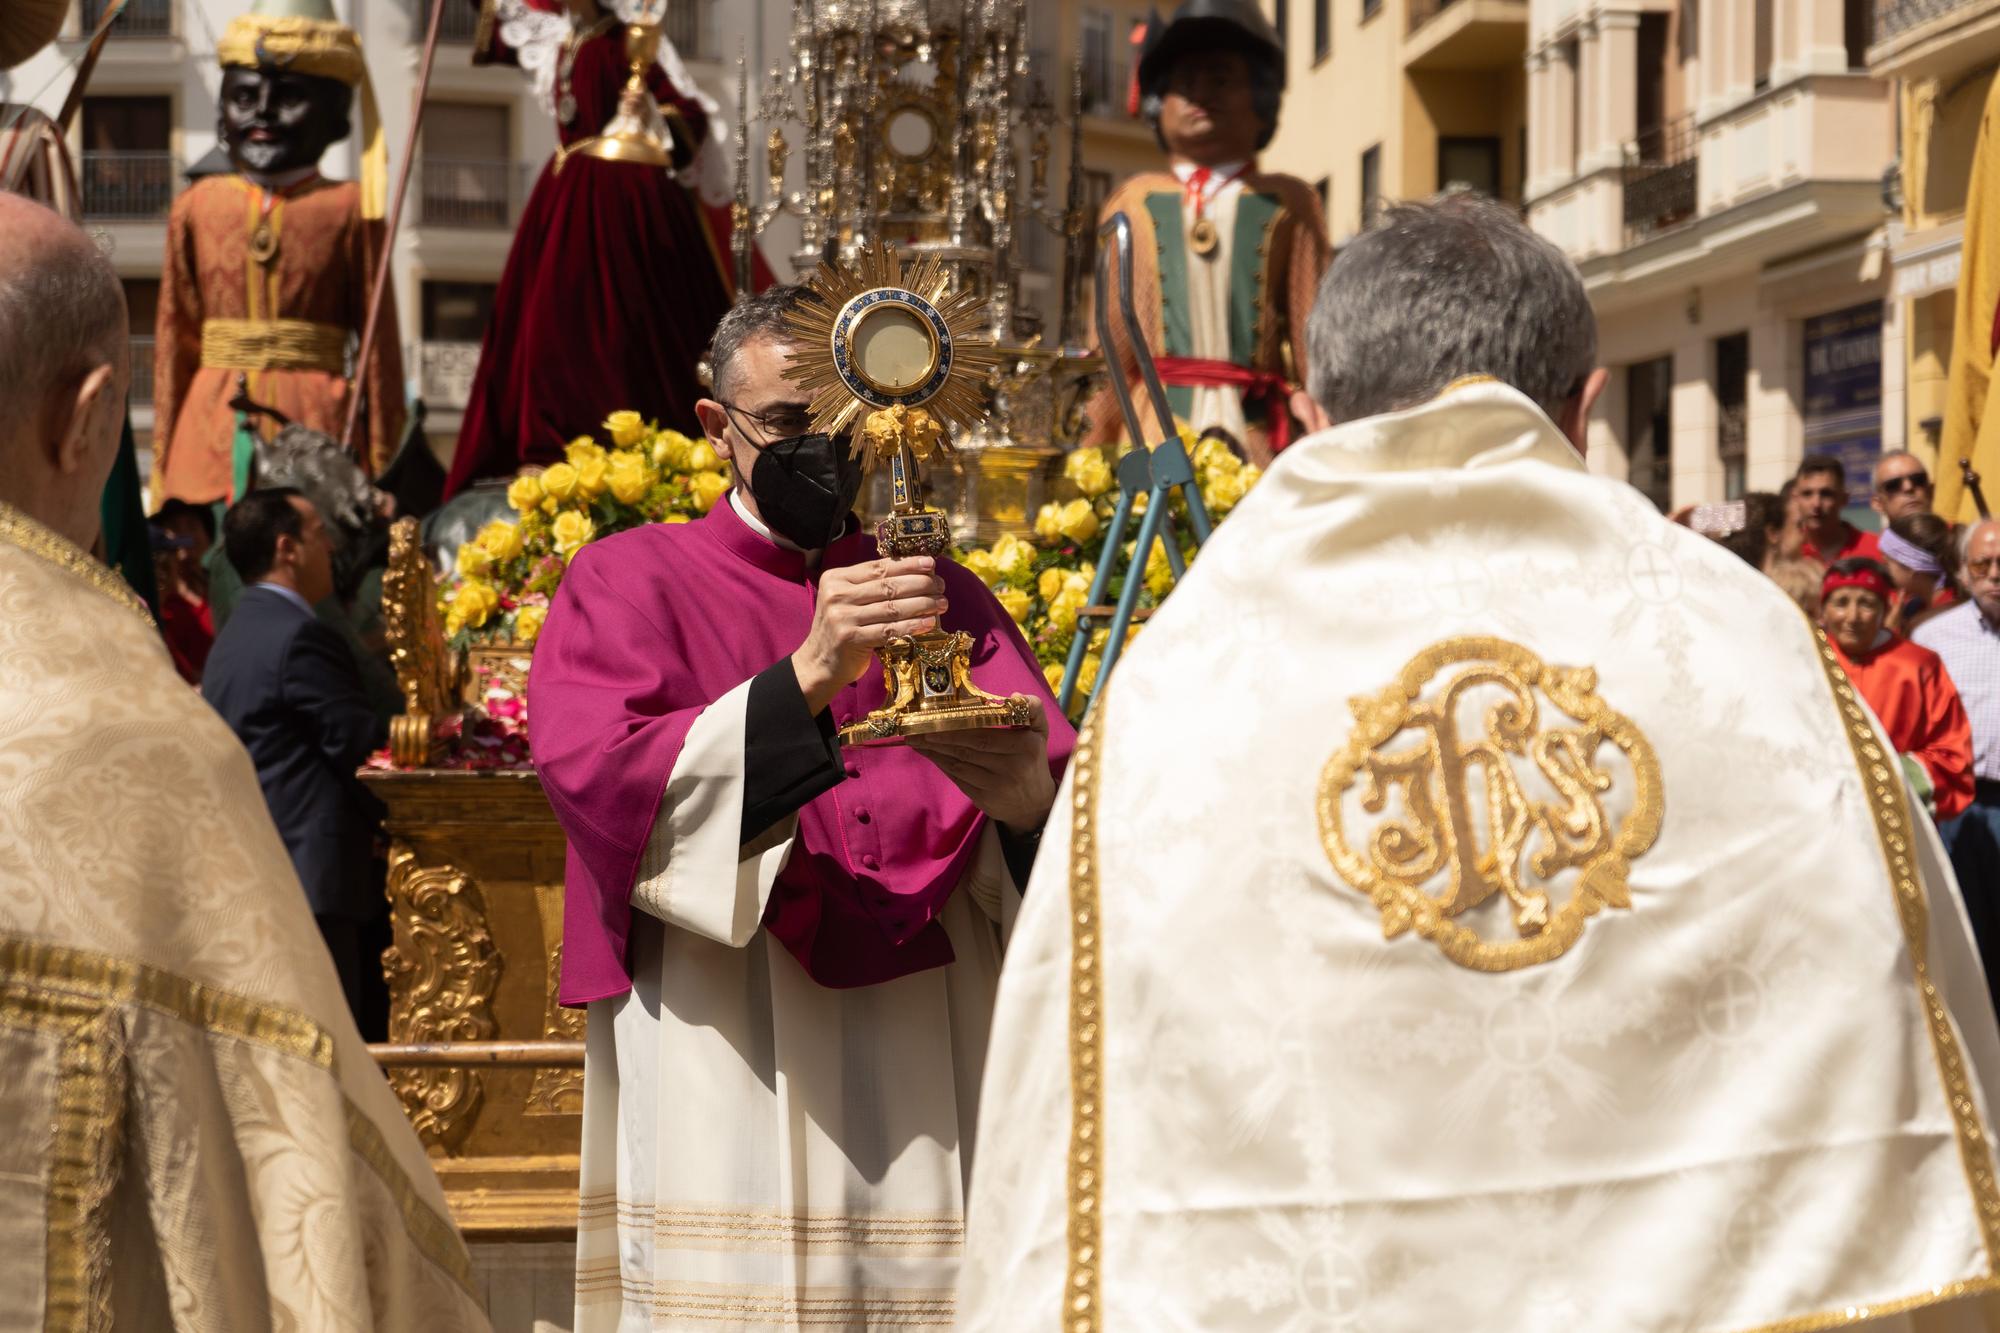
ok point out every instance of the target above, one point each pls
(911, 119)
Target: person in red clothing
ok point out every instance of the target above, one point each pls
(1819, 491)
(182, 534)
(1905, 684)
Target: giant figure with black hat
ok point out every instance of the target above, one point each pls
(268, 268)
(1226, 258)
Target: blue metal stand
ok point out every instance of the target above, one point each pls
(1157, 474)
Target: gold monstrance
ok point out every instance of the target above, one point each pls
(887, 355)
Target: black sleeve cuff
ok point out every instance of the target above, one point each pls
(1018, 850)
(789, 755)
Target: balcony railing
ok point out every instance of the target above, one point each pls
(141, 18)
(1893, 18)
(142, 368)
(1660, 178)
(472, 193)
(445, 371)
(459, 24)
(128, 185)
(685, 26)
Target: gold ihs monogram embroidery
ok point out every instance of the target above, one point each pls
(1483, 749)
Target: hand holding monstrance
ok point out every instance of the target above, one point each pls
(886, 355)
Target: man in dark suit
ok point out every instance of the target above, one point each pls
(287, 685)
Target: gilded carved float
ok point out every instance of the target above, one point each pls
(488, 1065)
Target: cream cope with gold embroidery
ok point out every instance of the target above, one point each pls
(196, 1137)
(1477, 905)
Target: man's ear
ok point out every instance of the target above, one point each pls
(714, 424)
(1575, 422)
(78, 413)
(1309, 412)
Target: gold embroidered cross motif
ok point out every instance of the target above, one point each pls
(1499, 791)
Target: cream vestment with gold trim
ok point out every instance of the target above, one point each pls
(195, 1136)
(1481, 904)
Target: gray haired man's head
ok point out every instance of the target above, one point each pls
(64, 367)
(750, 320)
(1440, 290)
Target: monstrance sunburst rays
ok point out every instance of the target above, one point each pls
(955, 393)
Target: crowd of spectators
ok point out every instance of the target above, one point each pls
(1913, 614)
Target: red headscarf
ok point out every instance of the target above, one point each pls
(1870, 577)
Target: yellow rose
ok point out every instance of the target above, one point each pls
(1016, 603)
(1079, 521)
(631, 477)
(572, 530)
(472, 604)
(525, 492)
(528, 623)
(1221, 492)
(1189, 440)
(626, 428)
(1012, 557)
(707, 488)
(1086, 674)
(582, 450)
(1053, 674)
(670, 451)
(501, 539)
(593, 475)
(559, 483)
(701, 456)
(1086, 467)
(1048, 523)
(472, 560)
(980, 563)
(677, 518)
(1050, 583)
(1062, 611)
(1211, 452)
(1076, 584)
(1159, 573)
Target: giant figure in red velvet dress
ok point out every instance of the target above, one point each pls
(613, 285)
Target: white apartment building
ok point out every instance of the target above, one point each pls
(1715, 168)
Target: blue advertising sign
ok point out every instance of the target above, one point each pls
(1843, 399)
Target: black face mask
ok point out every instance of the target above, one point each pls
(804, 487)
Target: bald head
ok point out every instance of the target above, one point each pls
(1979, 565)
(63, 366)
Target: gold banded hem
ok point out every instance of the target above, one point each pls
(69, 990)
(1882, 781)
(51, 547)
(273, 344)
(1080, 1296)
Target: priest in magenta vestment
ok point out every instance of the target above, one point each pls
(788, 947)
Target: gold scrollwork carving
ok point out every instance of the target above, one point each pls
(1514, 844)
(426, 671)
(555, 1091)
(442, 972)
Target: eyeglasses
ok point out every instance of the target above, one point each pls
(1983, 569)
(778, 423)
(1909, 481)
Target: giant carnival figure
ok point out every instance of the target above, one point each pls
(1226, 258)
(268, 268)
(616, 276)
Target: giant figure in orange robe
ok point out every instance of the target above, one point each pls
(268, 268)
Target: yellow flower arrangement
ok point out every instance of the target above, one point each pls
(1052, 575)
(503, 579)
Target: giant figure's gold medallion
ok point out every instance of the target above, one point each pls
(1493, 772)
